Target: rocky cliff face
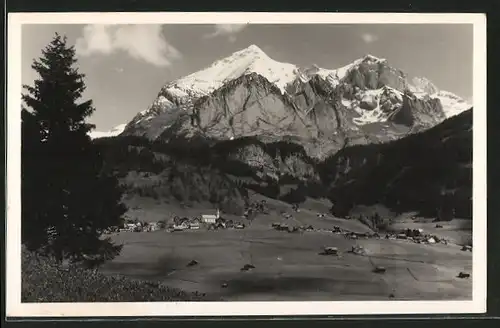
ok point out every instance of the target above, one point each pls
(274, 164)
(419, 112)
(249, 105)
(249, 94)
(374, 73)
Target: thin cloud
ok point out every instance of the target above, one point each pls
(141, 42)
(229, 30)
(369, 38)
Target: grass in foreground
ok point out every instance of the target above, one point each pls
(44, 281)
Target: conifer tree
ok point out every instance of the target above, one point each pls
(67, 199)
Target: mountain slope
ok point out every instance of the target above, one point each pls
(154, 170)
(422, 172)
(191, 172)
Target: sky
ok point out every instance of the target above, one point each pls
(126, 65)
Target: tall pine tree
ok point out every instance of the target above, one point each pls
(67, 199)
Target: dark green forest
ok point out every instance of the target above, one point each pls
(427, 172)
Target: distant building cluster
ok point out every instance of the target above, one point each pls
(206, 221)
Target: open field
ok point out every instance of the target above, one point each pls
(288, 265)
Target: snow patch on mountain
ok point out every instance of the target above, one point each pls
(117, 130)
(368, 107)
(452, 104)
(367, 104)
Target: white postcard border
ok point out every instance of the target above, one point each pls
(14, 307)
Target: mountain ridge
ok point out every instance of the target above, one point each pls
(249, 93)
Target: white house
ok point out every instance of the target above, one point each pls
(210, 218)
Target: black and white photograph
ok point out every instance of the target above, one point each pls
(246, 164)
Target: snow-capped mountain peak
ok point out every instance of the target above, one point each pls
(180, 94)
(242, 57)
(371, 58)
(334, 76)
(252, 50)
(243, 62)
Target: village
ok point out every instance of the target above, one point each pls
(206, 222)
(211, 222)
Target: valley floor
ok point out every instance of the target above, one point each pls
(288, 266)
